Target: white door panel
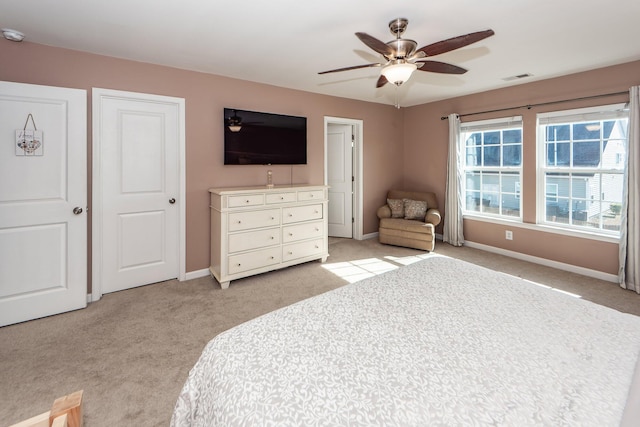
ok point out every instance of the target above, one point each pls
(340, 173)
(337, 209)
(43, 244)
(137, 139)
(46, 245)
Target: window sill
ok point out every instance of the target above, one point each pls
(545, 228)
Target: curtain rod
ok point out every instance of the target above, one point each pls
(530, 106)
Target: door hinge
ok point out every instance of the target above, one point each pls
(353, 178)
(353, 220)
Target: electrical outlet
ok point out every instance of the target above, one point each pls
(508, 234)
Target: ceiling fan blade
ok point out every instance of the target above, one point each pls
(381, 47)
(355, 67)
(455, 43)
(382, 80)
(439, 67)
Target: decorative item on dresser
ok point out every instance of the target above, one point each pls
(256, 229)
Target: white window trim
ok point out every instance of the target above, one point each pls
(586, 114)
(491, 124)
(483, 126)
(602, 112)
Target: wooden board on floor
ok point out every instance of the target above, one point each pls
(66, 411)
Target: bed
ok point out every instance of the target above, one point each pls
(437, 342)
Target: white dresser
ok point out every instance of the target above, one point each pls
(256, 229)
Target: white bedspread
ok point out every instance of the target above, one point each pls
(438, 342)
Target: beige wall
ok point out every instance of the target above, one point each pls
(206, 95)
(426, 139)
(417, 133)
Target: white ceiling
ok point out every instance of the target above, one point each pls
(287, 42)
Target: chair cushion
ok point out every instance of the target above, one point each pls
(397, 207)
(407, 225)
(415, 209)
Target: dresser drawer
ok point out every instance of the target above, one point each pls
(239, 221)
(301, 213)
(304, 196)
(246, 200)
(292, 233)
(280, 198)
(254, 239)
(252, 260)
(302, 249)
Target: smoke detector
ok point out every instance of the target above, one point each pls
(12, 35)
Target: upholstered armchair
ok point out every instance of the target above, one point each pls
(409, 219)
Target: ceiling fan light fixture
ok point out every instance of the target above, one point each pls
(234, 123)
(398, 73)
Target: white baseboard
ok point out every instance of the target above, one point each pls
(546, 262)
(188, 276)
(197, 274)
(530, 258)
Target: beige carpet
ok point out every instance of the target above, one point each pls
(132, 350)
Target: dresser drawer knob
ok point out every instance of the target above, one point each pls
(239, 222)
(290, 234)
(290, 215)
(272, 218)
(238, 265)
(272, 237)
(290, 253)
(317, 229)
(271, 257)
(315, 212)
(248, 201)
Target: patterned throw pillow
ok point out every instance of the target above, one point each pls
(397, 207)
(414, 209)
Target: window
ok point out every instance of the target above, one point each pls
(492, 167)
(581, 168)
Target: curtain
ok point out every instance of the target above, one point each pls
(452, 232)
(629, 271)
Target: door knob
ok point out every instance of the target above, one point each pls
(172, 200)
(77, 210)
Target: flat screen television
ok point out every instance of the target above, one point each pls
(255, 138)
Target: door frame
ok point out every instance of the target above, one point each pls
(357, 126)
(96, 193)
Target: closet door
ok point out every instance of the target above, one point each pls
(43, 201)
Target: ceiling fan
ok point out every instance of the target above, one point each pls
(402, 57)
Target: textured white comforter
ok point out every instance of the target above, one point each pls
(439, 342)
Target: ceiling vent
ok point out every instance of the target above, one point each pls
(519, 76)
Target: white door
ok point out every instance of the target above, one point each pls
(340, 179)
(137, 178)
(43, 244)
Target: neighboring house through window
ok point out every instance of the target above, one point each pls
(492, 167)
(581, 168)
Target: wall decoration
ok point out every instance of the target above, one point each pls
(29, 141)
